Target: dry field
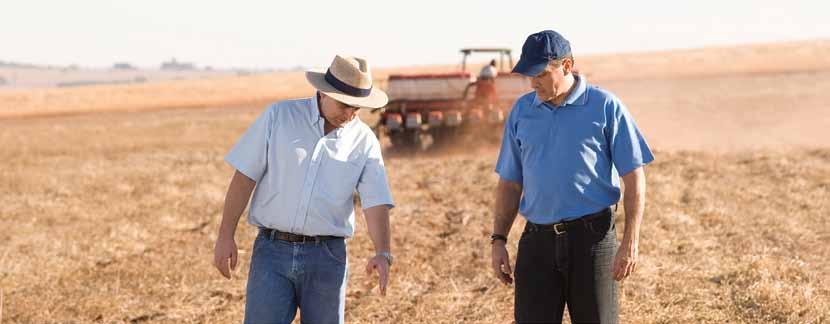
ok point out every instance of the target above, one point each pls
(110, 217)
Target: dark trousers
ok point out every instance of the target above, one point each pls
(572, 268)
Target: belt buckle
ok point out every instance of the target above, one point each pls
(557, 230)
(298, 238)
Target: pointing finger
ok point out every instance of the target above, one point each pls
(233, 260)
(383, 274)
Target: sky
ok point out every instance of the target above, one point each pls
(284, 34)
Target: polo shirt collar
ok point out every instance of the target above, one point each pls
(579, 96)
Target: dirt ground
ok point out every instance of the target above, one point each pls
(111, 217)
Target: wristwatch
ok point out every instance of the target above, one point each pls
(386, 255)
(495, 237)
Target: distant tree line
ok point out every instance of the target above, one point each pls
(23, 65)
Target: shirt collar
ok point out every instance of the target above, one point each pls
(314, 117)
(579, 96)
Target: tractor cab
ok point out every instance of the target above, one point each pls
(504, 54)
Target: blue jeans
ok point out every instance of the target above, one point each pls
(285, 275)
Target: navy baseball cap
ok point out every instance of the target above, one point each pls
(539, 49)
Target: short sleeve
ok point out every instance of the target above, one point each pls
(372, 185)
(249, 155)
(629, 149)
(509, 164)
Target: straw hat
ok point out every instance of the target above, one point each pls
(348, 80)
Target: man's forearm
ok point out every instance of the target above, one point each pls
(377, 222)
(634, 202)
(239, 192)
(508, 195)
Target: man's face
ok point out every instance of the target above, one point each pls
(335, 112)
(551, 82)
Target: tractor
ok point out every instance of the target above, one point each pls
(437, 109)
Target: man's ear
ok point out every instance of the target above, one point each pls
(567, 66)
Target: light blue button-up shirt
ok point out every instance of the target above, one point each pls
(569, 158)
(305, 179)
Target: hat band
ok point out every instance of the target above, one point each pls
(346, 88)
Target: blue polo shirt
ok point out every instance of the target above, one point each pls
(569, 158)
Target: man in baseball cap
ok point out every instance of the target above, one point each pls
(564, 148)
(303, 159)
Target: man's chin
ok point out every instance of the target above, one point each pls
(344, 123)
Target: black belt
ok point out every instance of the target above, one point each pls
(294, 238)
(564, 227)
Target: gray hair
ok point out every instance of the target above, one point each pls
(558, 62)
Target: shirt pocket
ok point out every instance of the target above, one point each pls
(340, 178)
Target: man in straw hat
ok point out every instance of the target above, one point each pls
(303, 160)
(564, 149)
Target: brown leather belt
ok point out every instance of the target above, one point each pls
(564, 227)
(294, 238)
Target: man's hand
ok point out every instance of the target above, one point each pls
(224, 251)
(501, 262)
(625, 261)
(381, 265)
